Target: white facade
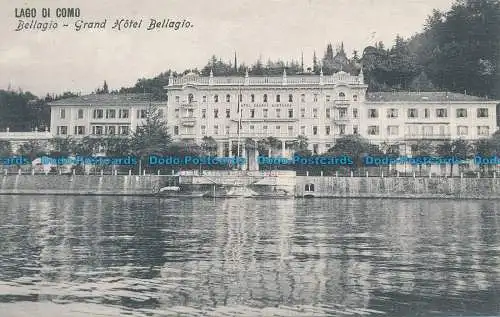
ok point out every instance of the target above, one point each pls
(100, 114)
(323, 108)
(320, 107)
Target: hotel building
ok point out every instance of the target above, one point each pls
(322, 108)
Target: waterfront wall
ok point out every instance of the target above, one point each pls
(398, 187)
(300, 186)
(81, 184)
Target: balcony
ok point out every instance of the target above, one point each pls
(188, 121)
(189, 104)
(427, 136)
(339, 118)
(341, 103)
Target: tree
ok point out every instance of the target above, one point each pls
(423, 148)
(152, 137)
(209, 145)
(459, 149)
(355, 147)
(5, 148)
(62, 147)
(31, 150)
(300, 146)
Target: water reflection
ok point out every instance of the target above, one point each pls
(310, 257)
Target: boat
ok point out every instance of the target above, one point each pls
(176, 192)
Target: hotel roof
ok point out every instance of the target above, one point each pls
(441, 96)
(104, 99)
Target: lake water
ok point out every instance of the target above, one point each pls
(128, 256)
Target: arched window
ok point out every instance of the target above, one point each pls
(190, 98)
(228, 98)
(355, 97)
(265, 98)
(216, 98)
(290, 98)
(278, 98)
(341, 95)
(252, 97)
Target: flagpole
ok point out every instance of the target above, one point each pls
(239, 123)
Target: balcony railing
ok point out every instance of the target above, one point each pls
(188, 121)
(432, 136)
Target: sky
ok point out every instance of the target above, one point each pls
(63, 59)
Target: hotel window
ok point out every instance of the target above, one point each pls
(110, 130)
(203, 113)
(315, 130)
(204, 98)
(482, 112)
(355, 129)
(412, 113)
(315, 97)
(428, 130)
(483, 130)
(290, 98)
(264, 128)
(341, 95)
(79, 130)
(441, 113)
(372, 113)
(97, 130)
(393, 130)
(216, 129)
(228, 98)
(177, 99)
(176, 130)
(124, 130)
(264, 112)
(290, 113)
(315, 148)
(315, 112)
(355, 97)
(342, 113)
(278, 113)
(252, 113)
(461, 113)
(427, 113)
(177, 113)
(278, 98)
(190, 98)
(98, 114)
(228, 113)
(216, 98)
(327, 98)
(462, 130)
(303, 130)
(341, 129)
(203, 130)
(110, 114)
(290, 130)
(123, 113)
(241, 97)
(303, 98)
(278, 129)
(216, 113)
(327, 130)
(302, 113)
(328, 146)
(80, 113)
(62, 130)
(252, 129)
(442, 130)
(392, 113)
(355, 113)
(264, 98)
(62, 113)
(373, 130)
(252, 98)
(141, 114)
(227, 130)
(328, 113)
